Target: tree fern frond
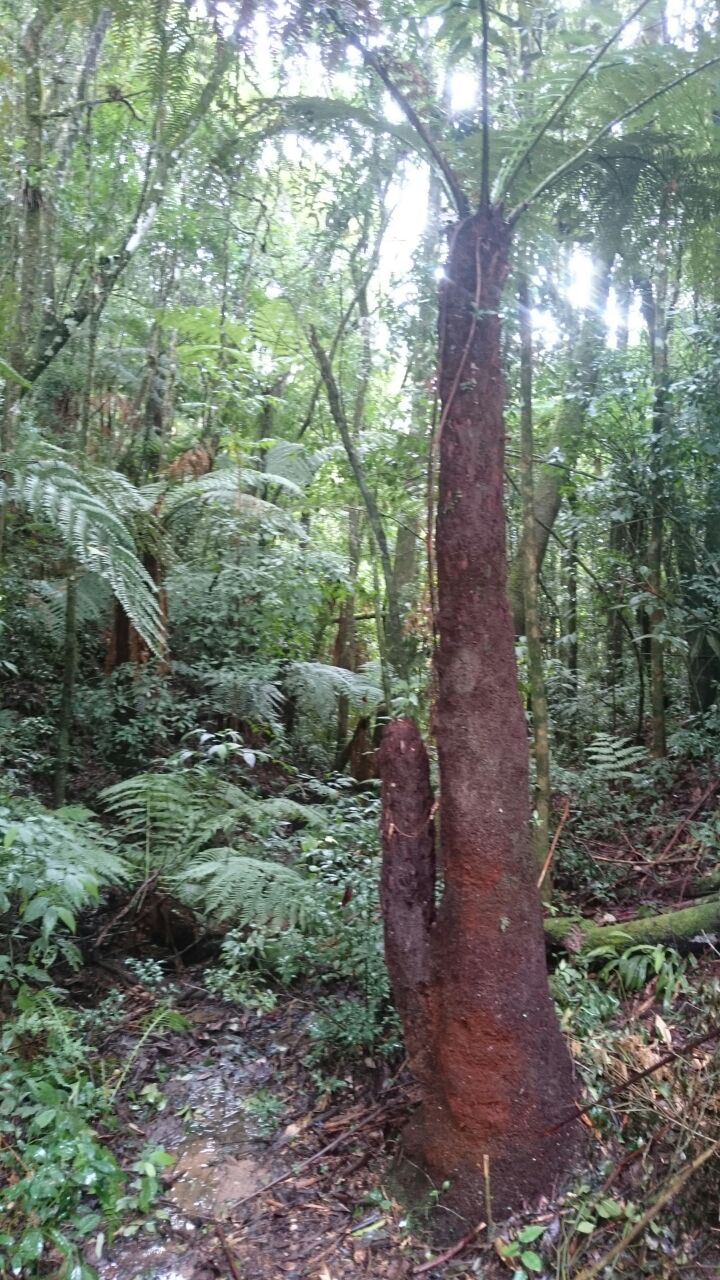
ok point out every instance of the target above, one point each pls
(289, 459)
(249, 891)
(222, 491)
(48, 597)
(613, 759)
(90, 510)
(317, 685)
(247, 691)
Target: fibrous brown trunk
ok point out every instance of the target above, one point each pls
(494, 1070)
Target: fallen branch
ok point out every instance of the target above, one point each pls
(374, 1113)
(671, 1189)
(137, 897)
(637, 1076)
(452, 1252)
(229, 1255)
(671, 926)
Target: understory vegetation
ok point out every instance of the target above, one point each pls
(225, 420)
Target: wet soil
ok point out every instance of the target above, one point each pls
(208, 1091)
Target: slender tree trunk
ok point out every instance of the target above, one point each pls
(344, 650)
(67, 695)
(494, 1070)
(571, 622)
(655, 307)
(392, 623)
(538, 696)
(583, 363)
(614, 625)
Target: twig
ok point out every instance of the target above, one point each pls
(488, 1194)
(147, 884)
(229, 1256)
(671, 1188)
(706, 795)
(637, 1076)
(452, 1252)
(373, 1114)
(551, 851)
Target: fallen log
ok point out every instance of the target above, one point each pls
(682, 925)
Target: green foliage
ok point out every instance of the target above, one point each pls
(52, 865)
(62, 1186)
(615, 759)
(91, 509)
(634, 967)
(171, 821)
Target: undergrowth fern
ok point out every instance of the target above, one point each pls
(615, 759)
(249, 891)
(171, 823)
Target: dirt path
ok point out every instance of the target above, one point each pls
(231, 1101)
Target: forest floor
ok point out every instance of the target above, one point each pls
(272, 1176)
(275, 1168)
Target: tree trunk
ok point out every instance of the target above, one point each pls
(538, 696)
(67, 695)
(614, 629)
(655, 307)
(570, 626)
(494, 1070)
(345, 647)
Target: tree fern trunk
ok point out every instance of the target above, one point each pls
(495, 1072)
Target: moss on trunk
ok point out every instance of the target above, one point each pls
(671, 926)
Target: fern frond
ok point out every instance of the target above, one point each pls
(90, 510)
(246, 691)
(48, 597)
(249, 891)
(317, 685)
(614, 759)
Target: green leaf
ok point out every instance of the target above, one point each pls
(609, 1209)
(531, 1260)
(35, 908)
(67, 918)
(531, 1232)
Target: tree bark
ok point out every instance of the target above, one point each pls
(407, 887)
(67, 694)
(495, 1072)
